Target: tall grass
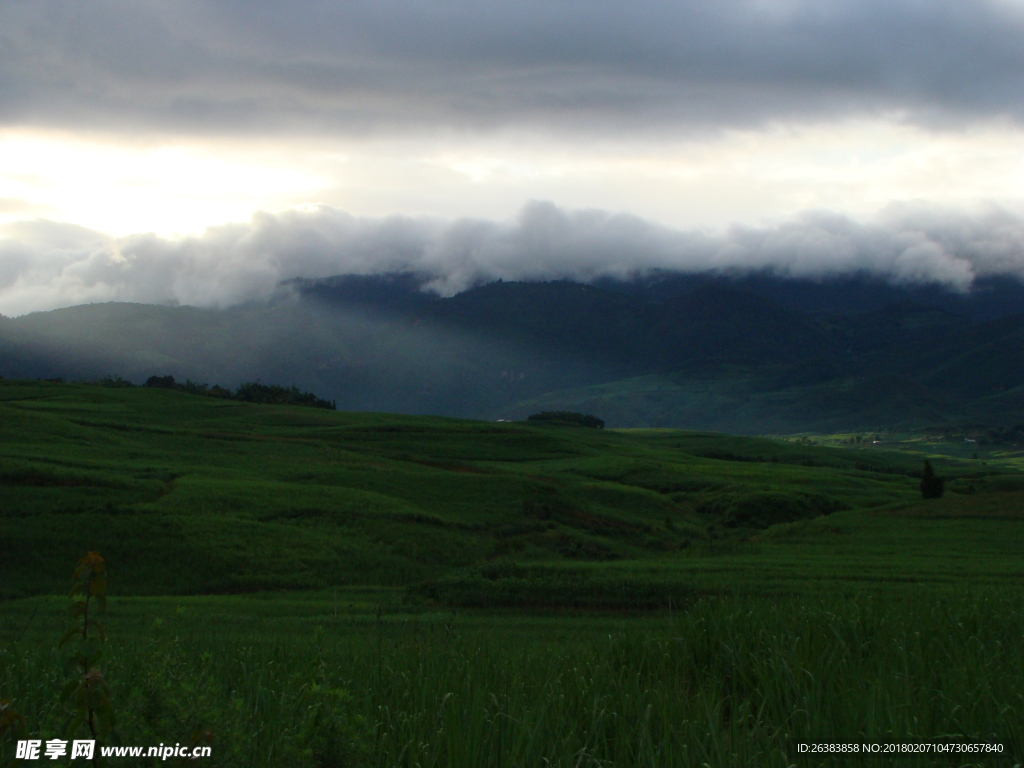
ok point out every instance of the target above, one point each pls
(729, 681)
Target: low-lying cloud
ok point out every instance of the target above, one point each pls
(44, 265)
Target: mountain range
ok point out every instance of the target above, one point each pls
(751, 354)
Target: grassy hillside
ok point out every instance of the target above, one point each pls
(189, 494)
(433, 592)
(761, 399)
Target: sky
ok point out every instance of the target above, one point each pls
(201, 153)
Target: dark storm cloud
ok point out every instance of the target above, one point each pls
(45, 265)
(591, 65)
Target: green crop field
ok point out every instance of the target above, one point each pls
(297, 586)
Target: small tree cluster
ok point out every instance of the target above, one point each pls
(254, 392)
(250, 392)
(568, 417)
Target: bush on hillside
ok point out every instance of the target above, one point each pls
(161, 382)
(568, 418)
(766, 508)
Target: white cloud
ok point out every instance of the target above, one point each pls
(45, 265)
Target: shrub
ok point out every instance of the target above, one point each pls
(767, 508)
(161, 382)
(568, 418)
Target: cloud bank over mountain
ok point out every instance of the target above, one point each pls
(44, 265)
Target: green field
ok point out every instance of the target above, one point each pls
(322, 588)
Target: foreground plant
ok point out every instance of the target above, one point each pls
(12, 728)
(87, 690)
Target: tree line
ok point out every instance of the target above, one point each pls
(250, 391)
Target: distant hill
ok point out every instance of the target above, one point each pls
(750, 354)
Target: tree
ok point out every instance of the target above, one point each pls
(932, 486)
(161, 382)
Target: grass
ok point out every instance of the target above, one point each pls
(314, 588)
(729, 681)
(255, 497)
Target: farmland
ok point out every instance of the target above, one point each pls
(318, 588)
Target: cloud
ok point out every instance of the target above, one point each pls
(576, 66)
(19, 207)
(44, 265)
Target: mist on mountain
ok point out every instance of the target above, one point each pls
(747, 353)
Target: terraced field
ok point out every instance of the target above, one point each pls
(321, 588)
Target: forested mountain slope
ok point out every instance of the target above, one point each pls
(746, 354)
